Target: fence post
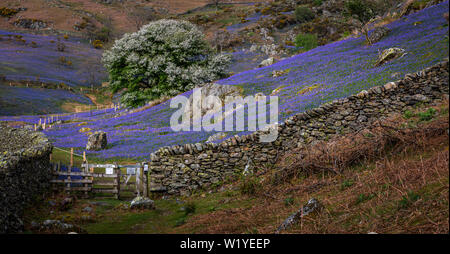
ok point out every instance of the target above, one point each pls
(117, 181)
(145, 180)
(71, 156)
(69, 179)
(54, 177)
(138, 180)
(86, 177)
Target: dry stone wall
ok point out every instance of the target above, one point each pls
(25, 174)
(182, 169)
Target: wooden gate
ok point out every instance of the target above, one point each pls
(116, 179)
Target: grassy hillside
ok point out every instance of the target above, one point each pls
(400, 186)
(323, 74)
(49, 59)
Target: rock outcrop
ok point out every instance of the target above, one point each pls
(378, 33)
(389, 55)
(142, 203)
(312, 206)
(97, 141)
(25, 174)
(210, 89)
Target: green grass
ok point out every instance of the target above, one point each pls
(306, 41)
(167, 216)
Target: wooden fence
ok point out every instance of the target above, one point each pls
(88, 179)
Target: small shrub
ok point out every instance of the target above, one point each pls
(6, 12)
(359, 8)
(364, 197)
(97, 44)
(60, 46)
(249, 185)
(303, 14)
(347, 183)
(427, 115)
(289, 43)
(408, 199)
(103, 34)
(408, 114)
(180, 221)
(266, 11)
(419, 4)
(317, 2)
(62, 59)
(288, 201)
(189, 208)
(306, 41)
(362, 10)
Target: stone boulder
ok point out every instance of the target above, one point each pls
(142, 203)
(58, 227)
(97, 141)
(210, 89)
(378, 33)
(389, 55)
(216, 136)
(313, 205)
(31, 24)
(267, 62)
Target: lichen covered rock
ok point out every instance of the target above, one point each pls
(97, 141)
(389, 55)
(142, 203)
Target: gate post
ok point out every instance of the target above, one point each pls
(117, 171)
(145, 180)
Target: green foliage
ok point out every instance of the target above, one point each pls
(408, 114)
(427, 115)
(364, 197)
(180, 221)
(306, 41)
(103, 34)
(289, 201)
(346, 183)
(318, 2)
(408, 199)
(97, 44)
(189, 208)
(164, 58)
(249, 185)
(360, 9)
(419, 4)
(6, 12)
(303, 14)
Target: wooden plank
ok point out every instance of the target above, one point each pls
(99, 175)
(109, 166)
(77, 189)
(97, 190)
(105, 183)
(71, 181)
(117, 182)
(98, 165)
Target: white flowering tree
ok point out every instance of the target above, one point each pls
(164, 58)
